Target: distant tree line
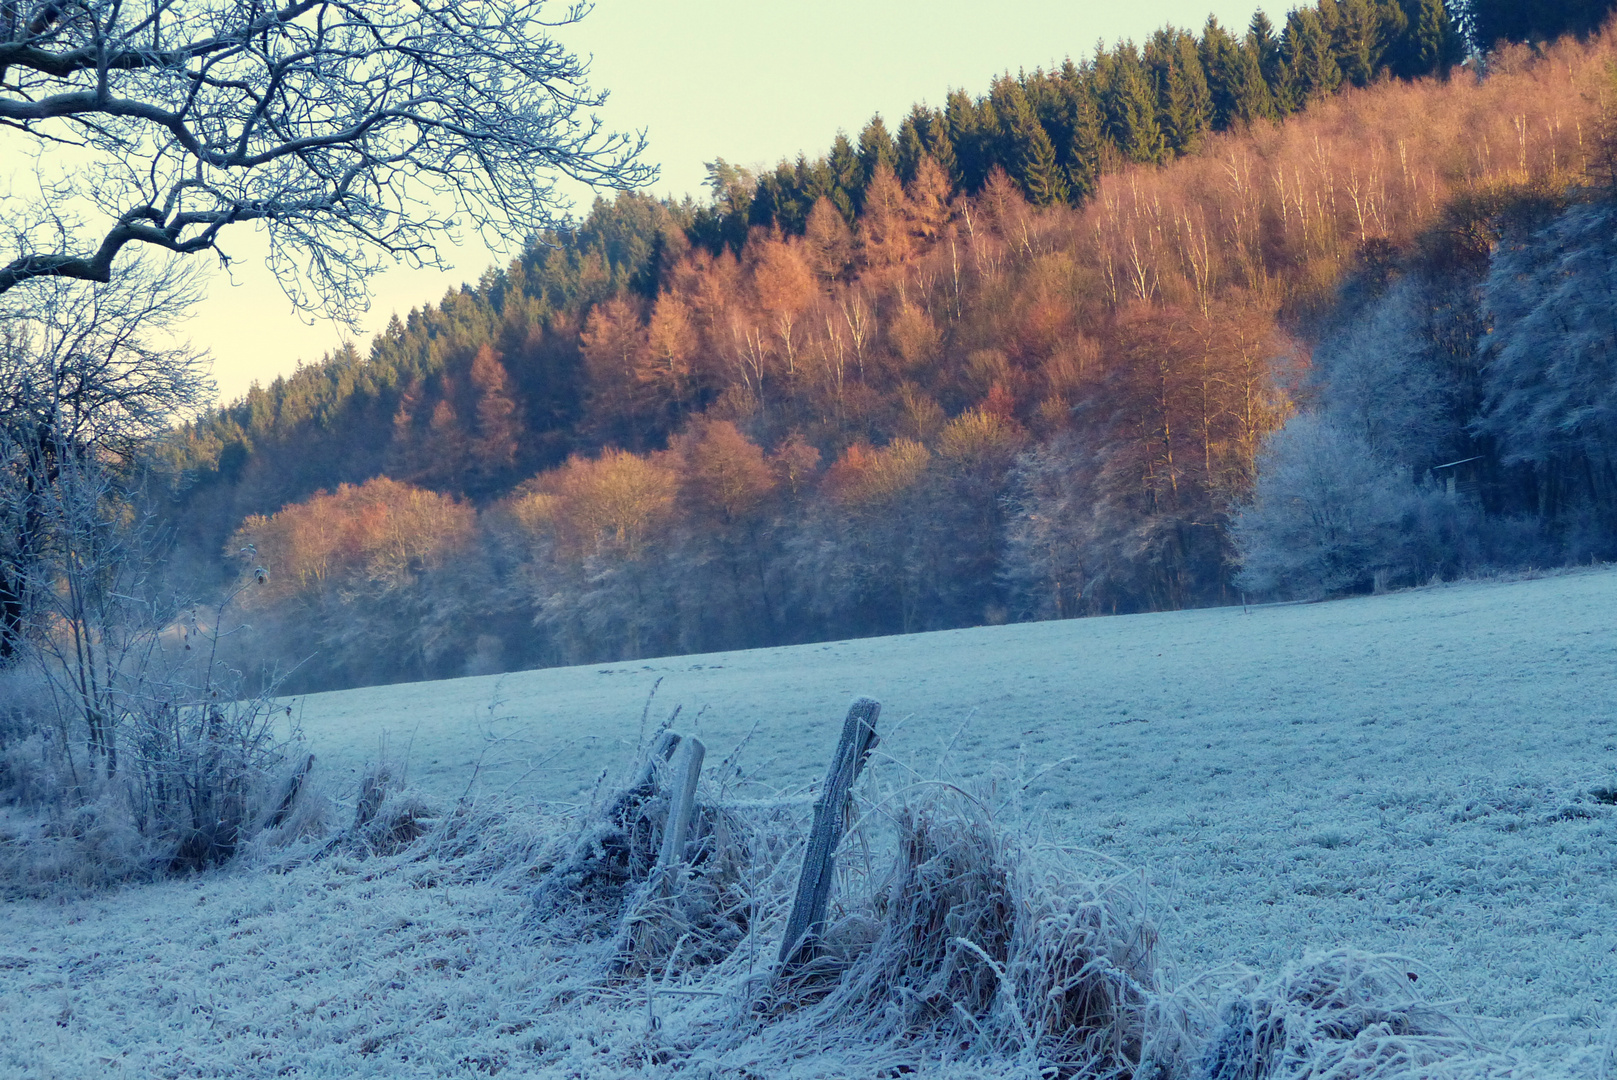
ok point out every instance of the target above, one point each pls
(960, 409)
(1055, 133)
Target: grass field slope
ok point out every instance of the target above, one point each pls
(1431, 774)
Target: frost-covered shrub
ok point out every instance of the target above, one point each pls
(974, 941)
(1328, 516)
(193, 783)
(26, 775)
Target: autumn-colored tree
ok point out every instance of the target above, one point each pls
(724, 476)
(347, 577)
(672, 343)
(446, 447)
(784, 286)
(381, 530)
(498, 424)
(929, 203)
(618, 503)
(624, 404)
(796, 463)
(613, 341)
(885, 226)
(827, 241)
(726, 492)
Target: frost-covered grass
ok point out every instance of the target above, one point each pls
(1413, 775)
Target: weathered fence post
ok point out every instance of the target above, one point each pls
(681, 807)
(814, 882)
(662, 750)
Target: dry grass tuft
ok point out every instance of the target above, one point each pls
(604, 880)
(976, 948)
(1346, 1015)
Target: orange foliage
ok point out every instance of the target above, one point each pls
(866, 477)
(723, 474)
(1250, 234)
(618, 501)
(380, 531)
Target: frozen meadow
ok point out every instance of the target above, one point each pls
(1430, 774)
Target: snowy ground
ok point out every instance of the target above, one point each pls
(1414, 773)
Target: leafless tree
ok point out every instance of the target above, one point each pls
(86, 376)
(350, 131)
(140, 714)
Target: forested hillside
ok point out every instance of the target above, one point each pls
(1022, 360)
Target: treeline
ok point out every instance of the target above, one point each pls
(958, 410)
(352, 416)
(1055, 133)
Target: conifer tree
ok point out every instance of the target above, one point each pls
(1030, 153)
(998, 112)
(1184, 104)
(816, 181)
(1088, 135)
(965, 131)
(766, 199)
(1220, 57)
(875, 150)
(1046, 93)
(1040, 175)
(1430, 43)
(847, 176)
(1264, 43)
(1131, 109)
(1360, 33)
(1253, 101)
(911, 143)
(732, 186)
(1491, 21)
(779, 201)
(1307, 47)
(940, 147)
(1393, 19)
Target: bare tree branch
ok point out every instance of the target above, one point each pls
(347, 129)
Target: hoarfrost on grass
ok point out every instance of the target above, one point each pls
(1415, 775)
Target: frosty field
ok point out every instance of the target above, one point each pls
(1431, 774)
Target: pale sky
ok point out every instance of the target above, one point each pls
(749, 82)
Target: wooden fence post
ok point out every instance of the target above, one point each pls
(681, 807)
(814, 882)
